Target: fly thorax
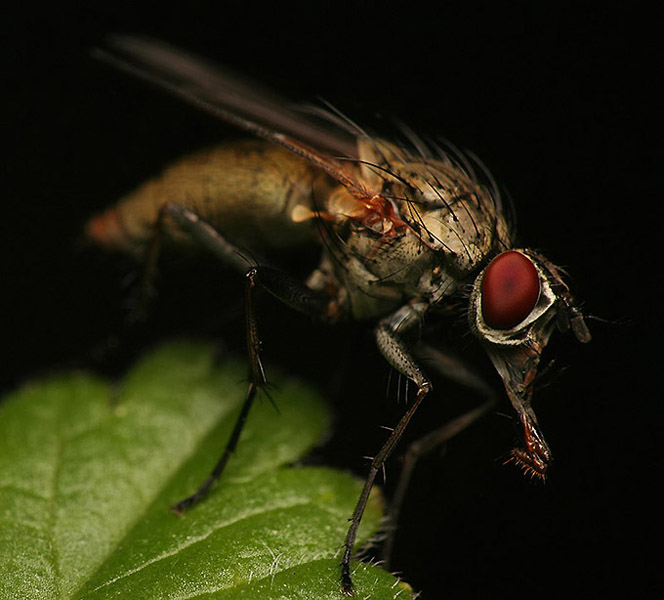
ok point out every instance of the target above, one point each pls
(380, 273)
(462, 235)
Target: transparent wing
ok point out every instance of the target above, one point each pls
(225, 95)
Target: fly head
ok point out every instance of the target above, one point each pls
(516, 303)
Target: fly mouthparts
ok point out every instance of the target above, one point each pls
(531, 464)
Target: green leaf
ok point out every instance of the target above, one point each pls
(89, 470)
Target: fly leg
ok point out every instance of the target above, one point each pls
(189, 222)
(457, 371)
(281, 285)
(141, 291)
(207, 236)
(388, 338)
(257, 380)
(148, 274)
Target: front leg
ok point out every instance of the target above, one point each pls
(455, 370)
(388, 338)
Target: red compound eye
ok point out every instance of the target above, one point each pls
(510, 289)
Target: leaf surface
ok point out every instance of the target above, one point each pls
(89, 471)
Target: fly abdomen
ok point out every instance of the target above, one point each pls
(247, 190)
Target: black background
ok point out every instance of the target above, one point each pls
(556, 102)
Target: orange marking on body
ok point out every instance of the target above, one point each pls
(378, 211)
(105, 229)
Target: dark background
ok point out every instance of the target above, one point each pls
(558, 104)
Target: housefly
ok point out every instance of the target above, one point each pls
(405, 232)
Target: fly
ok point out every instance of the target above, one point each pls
(404, 233)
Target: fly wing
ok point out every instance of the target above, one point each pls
(228, 97)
